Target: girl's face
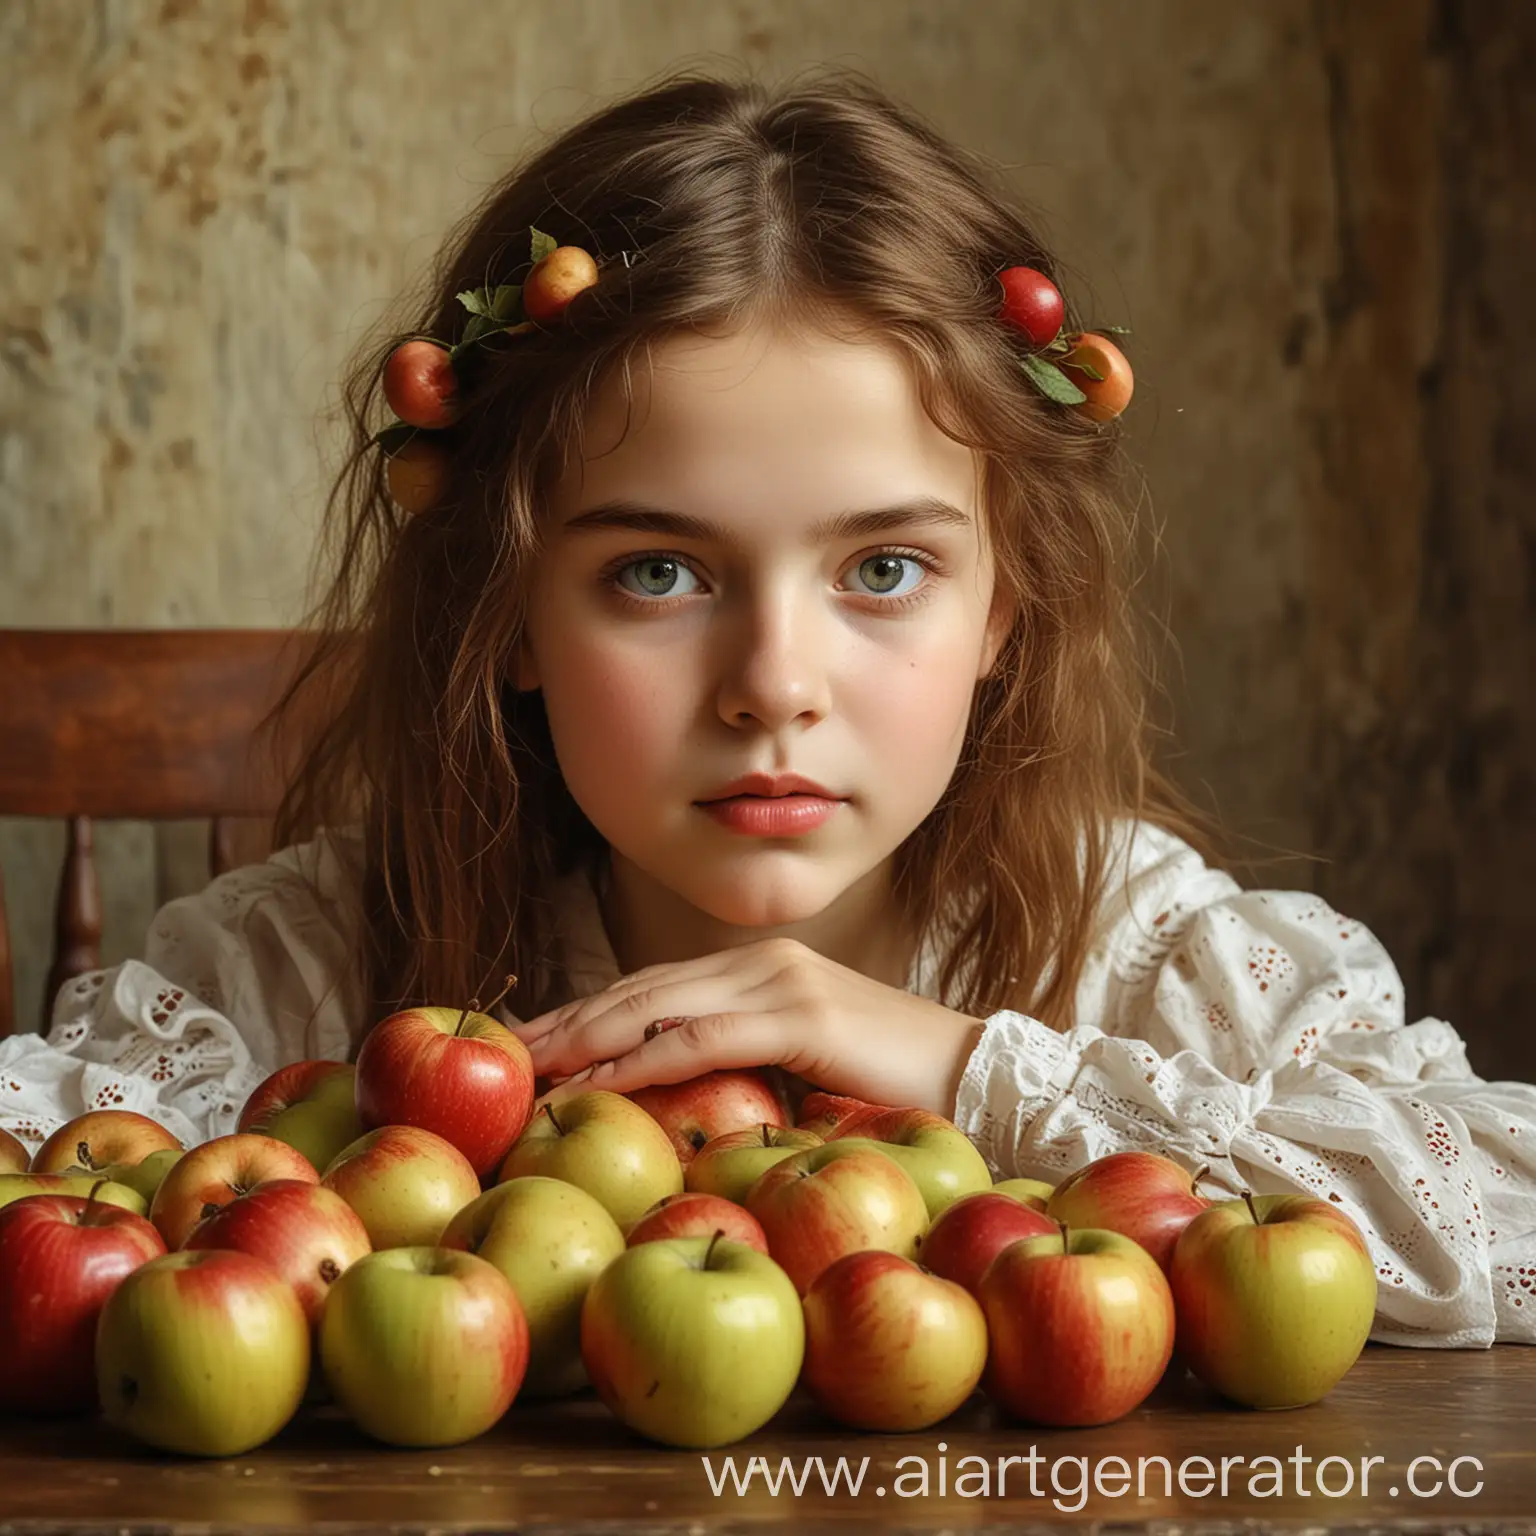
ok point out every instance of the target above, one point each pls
(693, 620)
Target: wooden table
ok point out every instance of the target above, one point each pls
(571, 1467)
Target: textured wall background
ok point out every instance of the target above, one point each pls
(1310, 214)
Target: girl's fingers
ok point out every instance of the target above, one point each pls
(706, 1043)
(606, 1034)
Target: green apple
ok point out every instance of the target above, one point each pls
(17, 1186)
(731, 1164)
(693, 1341)
(1031, 1192)
(206, 1353)
(602, 1143)
(941, 1158)
(423, 1346)
(308, 1105)
(143, 1177)
(551, 1240)
(1275, 1297)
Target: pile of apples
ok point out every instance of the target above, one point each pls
(408, 1239)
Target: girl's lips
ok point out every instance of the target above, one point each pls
(779, 816)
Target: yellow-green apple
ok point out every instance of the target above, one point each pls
(92, 1141)
(941, 1158)
(1140, 1195)
(551, 1240)
(424, 1346)
(730, 1165)
(696, 1215)
(143, 1177)
(17, 1186)
(889, 1346)
(1275, 1297)
(823, 1113)
(217, 1172)
(206, 1353)
(14, 1157)
(973, 1231)
(307, 1233)
(1035, 1192)
(453, 1071)
(693, 1342)
(405, 1183)
(60, 1258)
(701, 1108)
(605, 1144)
(834, 1199)
(310, 1105)
(1081, 1326)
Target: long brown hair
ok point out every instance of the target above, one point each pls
(707, 202)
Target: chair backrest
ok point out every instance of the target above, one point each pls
(134, 724)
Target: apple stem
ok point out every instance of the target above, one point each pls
(1248, 1201)
(91, 1206)
(549, 1110)
(511, 982)
(767, 1134)
(1065, 1236)
(719, 1233)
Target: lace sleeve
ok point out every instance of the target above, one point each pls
(1262, 1034)
(250, 973)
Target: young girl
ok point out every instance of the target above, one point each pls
(763, 660)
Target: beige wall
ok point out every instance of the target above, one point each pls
(203, 204)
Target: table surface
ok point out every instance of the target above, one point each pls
(570, 1466)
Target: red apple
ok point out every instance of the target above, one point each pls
(307, 1233)
(834, 1199)
(405, 1183)
(825, 1113)
(216, 1173)
(310, 1105)
(451, 1071)
(698, 1110)
(419, 384)
(104, 1136)
(1147, 1198)
(1081, 1326)
(1275, 1297)
(695, 1215)
(889, 1346)
(730, 1165)
(14, 1157)
(60, 1258)
(973, 1231)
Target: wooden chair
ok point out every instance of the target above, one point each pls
(134, 724)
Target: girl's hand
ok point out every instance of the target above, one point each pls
(772, 1003)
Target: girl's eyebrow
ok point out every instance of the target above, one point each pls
(918, 511)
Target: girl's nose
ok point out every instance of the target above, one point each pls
(775, 662)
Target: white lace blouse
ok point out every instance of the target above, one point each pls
(1258, 1033)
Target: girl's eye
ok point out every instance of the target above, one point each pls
(652, 580)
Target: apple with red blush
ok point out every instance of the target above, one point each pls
(93, 1141)
(826, 1113)
(404, 1182)
(941, 1158)
(217, 1172)
(834, 1199)
(307, 1233)
(1141, 1195)
(714, 1104)
(969, 1234)
(14, 1157)
(1081, 1324)
(696, 1215)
